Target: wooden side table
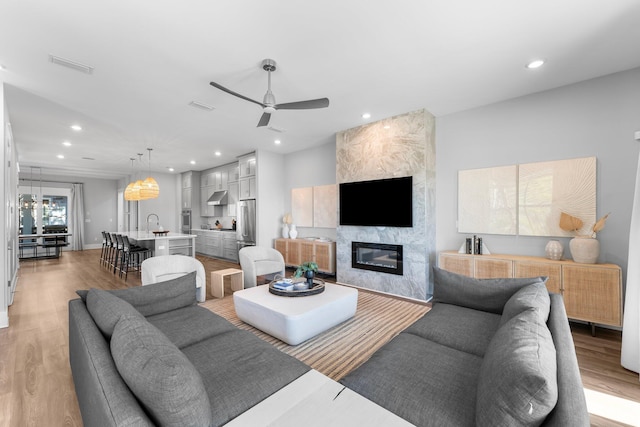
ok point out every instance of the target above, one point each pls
(217, 281)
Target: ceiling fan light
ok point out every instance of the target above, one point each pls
(269, 109)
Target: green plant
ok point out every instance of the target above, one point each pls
(304, 267)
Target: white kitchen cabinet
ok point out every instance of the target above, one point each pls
(213, 244)
(221, 179)
(233, 172)
(232, 198)
(186, 198)
(247, 188)
(247, 165)
(230, 246)
(187, 179)
(205, 209)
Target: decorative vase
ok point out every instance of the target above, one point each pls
(293, 232)
(554, 250)
(584, 249)
(309, 275)
(285, 231)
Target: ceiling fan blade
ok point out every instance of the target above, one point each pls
(303, 105)
(264, 120)
(224, 89)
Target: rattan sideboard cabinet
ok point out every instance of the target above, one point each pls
(591, 292)
(297, 251)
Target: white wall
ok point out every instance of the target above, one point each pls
(309, 168)
(592, 118)
(99, 202)
(269, 196)
(4, 310)
(165, 205)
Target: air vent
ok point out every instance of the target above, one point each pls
(275, 129)
(88, 158)
(71, 64)
(201, 106)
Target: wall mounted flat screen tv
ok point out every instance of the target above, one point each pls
(380, 203)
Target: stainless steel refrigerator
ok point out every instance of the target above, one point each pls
(246, 223)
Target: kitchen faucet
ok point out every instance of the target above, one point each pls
(157, 218)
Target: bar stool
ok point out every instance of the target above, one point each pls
(119, 247)
(108, 250)
(132, 257)
(104, 247)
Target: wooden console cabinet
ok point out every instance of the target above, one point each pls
(591, 292)
(297, 251)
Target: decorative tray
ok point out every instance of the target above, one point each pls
(160, 232)
(318, 288)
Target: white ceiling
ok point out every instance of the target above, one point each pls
(152, 58)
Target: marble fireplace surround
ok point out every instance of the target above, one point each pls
(399, 146)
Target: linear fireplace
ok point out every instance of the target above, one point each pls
(377, 257)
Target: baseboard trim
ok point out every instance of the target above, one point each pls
(4, 319)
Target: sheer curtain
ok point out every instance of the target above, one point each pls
(77, 217)
(630, 358)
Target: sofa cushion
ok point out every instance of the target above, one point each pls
(240, 370)
(106, 310)
(158, 297)
(534, 296)
(190, 325)
(421, 381)
(161, 377)
(457, 327)
(517, 384)
(481, 294)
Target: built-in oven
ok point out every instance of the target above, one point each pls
(185, 222)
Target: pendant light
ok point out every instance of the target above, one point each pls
(128, 192)
(149, 188)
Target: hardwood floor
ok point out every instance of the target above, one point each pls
(36, 388)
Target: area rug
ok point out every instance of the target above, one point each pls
(341, 349)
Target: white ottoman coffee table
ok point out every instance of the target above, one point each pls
(295, 319)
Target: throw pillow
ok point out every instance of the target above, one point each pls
(480, 294)
(517, 384)
(106, 310)
(158, 297)
(159, 374)
(531, 296)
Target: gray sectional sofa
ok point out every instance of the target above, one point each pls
(149, 356)
(493, 352)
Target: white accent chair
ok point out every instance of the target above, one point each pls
(259, 261)
(166, 267)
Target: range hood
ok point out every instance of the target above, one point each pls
(218, 198)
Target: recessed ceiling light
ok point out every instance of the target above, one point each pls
(277, 142)
(66, 144)
(170, 169)
(60, 156)
(535, 64)
(193, 162)
(217, 153)
(77, 128)
(366, 116)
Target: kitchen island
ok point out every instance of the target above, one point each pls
(164, 244)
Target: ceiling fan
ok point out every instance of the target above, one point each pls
(268, 103)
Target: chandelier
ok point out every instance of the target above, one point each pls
(142, 190)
